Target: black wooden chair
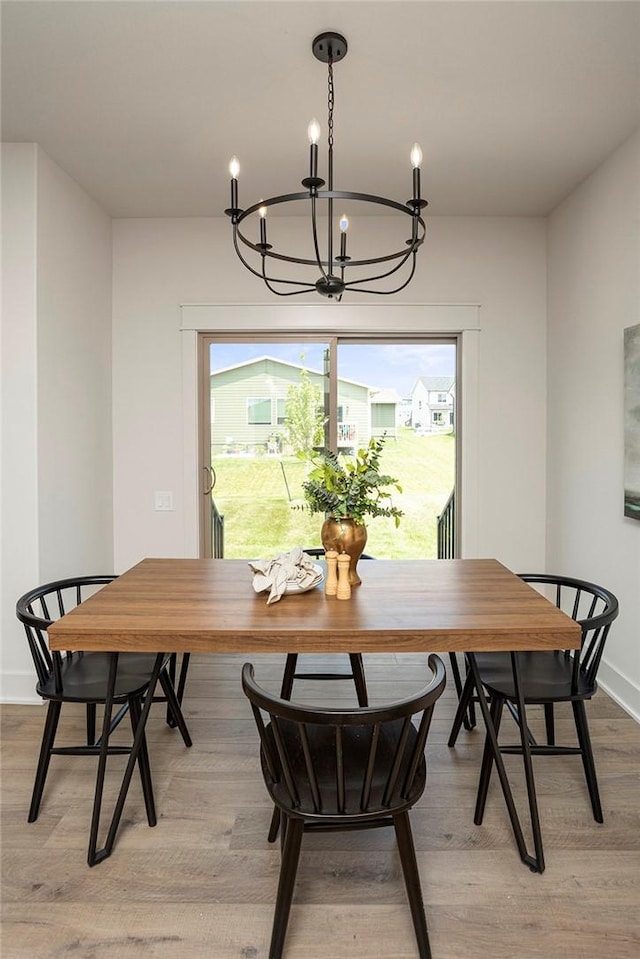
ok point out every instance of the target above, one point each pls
(548, 677)
(335, 769)
(81, 677)
(355, 662)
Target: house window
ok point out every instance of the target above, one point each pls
(281, 417)
(442, 397)
(258, 411)
(437, 419)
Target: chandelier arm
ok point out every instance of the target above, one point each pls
(405, 254)
(268, 280)
(355, 289)
(306, 287)
(272, 289)
(236, 234)
(244, 262)
(314, 229)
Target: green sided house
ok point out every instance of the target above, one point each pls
(248, 403)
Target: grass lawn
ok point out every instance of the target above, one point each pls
(260, 498)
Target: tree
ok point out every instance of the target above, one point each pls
(304, 417)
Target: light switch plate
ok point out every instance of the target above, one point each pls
(164, 500)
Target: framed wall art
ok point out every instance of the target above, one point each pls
(632, 421)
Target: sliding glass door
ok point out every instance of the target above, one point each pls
(268, 402)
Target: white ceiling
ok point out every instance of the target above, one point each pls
(514, 103)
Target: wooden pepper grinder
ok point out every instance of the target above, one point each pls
(344, 586)
(331, 582)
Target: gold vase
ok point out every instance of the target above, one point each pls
(345, 536)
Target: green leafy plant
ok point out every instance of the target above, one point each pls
(341, 486)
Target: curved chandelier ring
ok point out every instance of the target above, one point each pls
(412, 244)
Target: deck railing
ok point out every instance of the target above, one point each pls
(217, 532)
(447, 529)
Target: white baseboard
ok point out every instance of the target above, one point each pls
(625, 693)
(19, 687)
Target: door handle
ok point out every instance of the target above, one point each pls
(210, 481)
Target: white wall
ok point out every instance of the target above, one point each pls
(57, 441)
(74, 379)
(594, 292)
(161, 264)
(19, 535)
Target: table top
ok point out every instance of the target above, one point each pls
(209, 605)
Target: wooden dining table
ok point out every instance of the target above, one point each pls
(203, 605)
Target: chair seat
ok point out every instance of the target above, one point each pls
(356, 741)
(85, 675)
(546, 676)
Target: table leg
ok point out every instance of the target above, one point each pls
(525, 739)
(97, 855)
(535, 863)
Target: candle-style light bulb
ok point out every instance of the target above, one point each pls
(313, 132)
(416, 160)
(344, 226)
(262, 213)
(234, 170)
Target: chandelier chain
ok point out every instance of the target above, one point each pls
(330, 105)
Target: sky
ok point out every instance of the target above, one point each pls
(383, 365)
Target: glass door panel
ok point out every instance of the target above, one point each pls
(411, 391)
(267, 402)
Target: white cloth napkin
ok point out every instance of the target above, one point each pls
(276, 574)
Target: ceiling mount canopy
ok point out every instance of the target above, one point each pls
(331, 271)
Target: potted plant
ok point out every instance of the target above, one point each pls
(347, 489)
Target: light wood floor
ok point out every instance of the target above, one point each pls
(202, 883)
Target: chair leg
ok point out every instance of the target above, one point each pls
(550, 724)
(274, 828)
(412, 881)
(48, 736)
(463, 704)
(174, 706)
(288, 870)
(358, 677)
(495, 715)
(91, 724)
(455, 672)
(143, 763)
(289, 673)
(582, 729)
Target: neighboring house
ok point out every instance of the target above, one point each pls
(248, 403)
(433, 403)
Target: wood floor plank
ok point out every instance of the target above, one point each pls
(202, 883)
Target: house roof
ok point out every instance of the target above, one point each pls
(386, 396)
(436, 384)
(287, 363)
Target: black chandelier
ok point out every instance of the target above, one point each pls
(333, 269)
